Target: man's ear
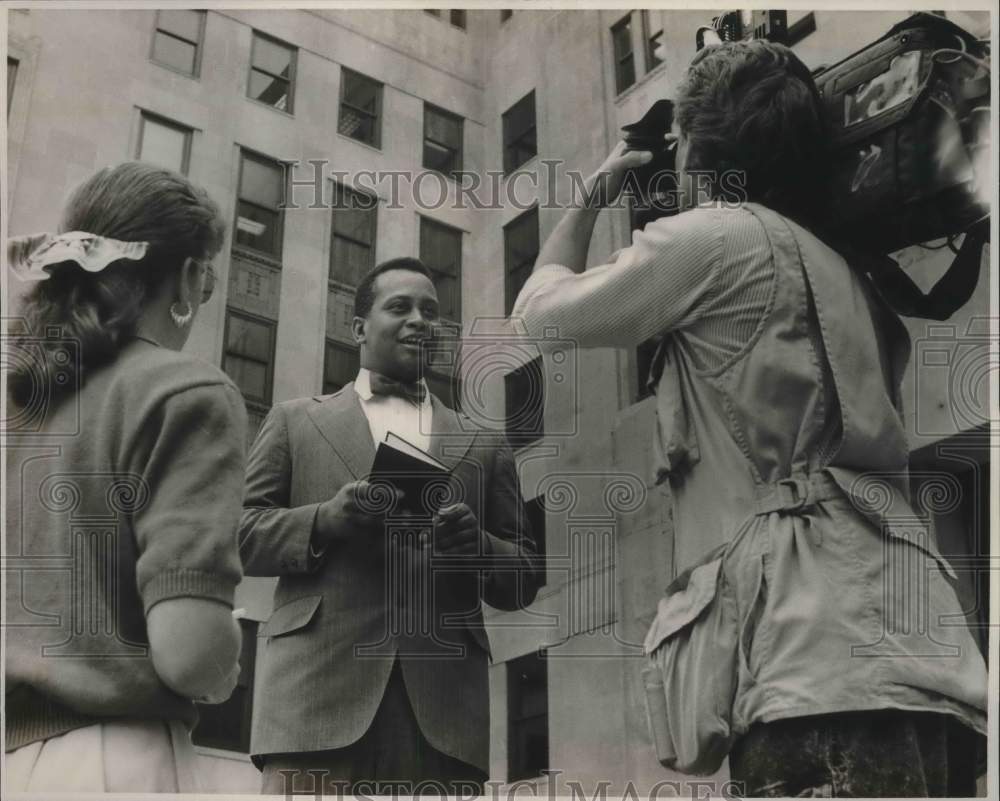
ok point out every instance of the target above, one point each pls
(358, 329)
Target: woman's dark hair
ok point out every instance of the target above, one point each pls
(753, 107)
(132, 202)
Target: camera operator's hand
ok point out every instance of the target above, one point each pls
(357, 508)
(604, 186)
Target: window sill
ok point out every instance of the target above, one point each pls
(376, 148)
(657, 71)
(194, 76)
(289, 114)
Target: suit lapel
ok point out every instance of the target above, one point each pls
(344, 426)
(450, 440)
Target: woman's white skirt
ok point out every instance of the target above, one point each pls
(154, 756)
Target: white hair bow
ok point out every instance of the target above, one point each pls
(33, 257)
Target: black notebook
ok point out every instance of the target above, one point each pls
(422, 479)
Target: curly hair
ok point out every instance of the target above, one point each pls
(753, 107)
(133, 202)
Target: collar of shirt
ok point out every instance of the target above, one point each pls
(388, 413)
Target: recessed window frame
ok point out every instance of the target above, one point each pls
(198, 45)
(279, 235)
(12, 66)
(346, 74)
(458, 18)
(349, 194)
(622, 57)
(165, 122)
(648, 37)
(272, 325)
(431, 223)
(293, 61)
(512, 139)
(334, 344)
(458, 154)
(506, 14)
(513, 284)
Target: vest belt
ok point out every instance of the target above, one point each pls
(796, 493)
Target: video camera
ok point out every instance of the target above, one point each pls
(909, 117)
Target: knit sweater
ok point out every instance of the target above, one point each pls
(122, 495)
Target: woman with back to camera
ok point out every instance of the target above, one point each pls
(815, 644)
(124, 488)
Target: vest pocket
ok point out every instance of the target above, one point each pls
(690, 676)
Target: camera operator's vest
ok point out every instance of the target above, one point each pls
(824, 591)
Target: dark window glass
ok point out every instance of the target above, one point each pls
(340, 366)
(11, 79)
(259, 218)
(227, 725)
(177, 39)
(360, 108)
(434, 12)
(164, 143)
(801, 28)
(441, 251)
(458, 18)
(527, 716)
(272, 72)
(442, 140)
(519, 136)
(249, 355)
(520, 240)
(621, 36)
(506, 14)
(352, 249)
(525, 391)
(654, 43)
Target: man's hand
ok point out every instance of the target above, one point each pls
(606, 184)
(457, 532)
(358, 507)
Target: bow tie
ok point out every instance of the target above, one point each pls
(382, 385)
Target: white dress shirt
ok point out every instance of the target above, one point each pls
(389, 413)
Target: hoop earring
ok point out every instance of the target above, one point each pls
(181, 320)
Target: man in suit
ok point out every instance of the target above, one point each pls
(375, 663)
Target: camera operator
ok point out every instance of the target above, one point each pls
(779, 429)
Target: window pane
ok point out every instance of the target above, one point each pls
(622, 36)
(443, 128)
(657, 50)
(353, 223)
(448, 296)
(249, 376)
(458, 18)
(340, 367)
(440, 247)
(356, 124)
(506, 14)
(257, 228)
(440, 158)
(272, 57)
(185, 24)
(260, 182)
(360, 92)
(519, 132)
(248, 338)
(349, 261)
(174, 53)
(273, 91)
(162, 144)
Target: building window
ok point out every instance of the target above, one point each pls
(249, 355)
(164, 143)
(655, 54)
(621, 37)
(259, 220)
(434, 12)
(520, 142)
(177, 40)
(272, 72)
(352, 248)
(442, 140)
(525, 395)
(340, 366)
(527, 716)
(520, 248)
(506, 14)
(11, 79)
(801, 28)
(227, 725)
(441, 251)
(361, 108)
(458, 18)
